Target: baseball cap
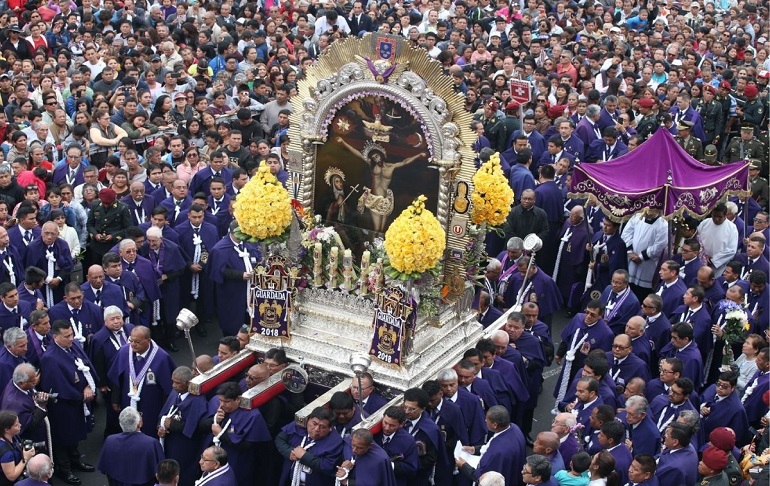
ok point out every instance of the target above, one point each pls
(155, 58)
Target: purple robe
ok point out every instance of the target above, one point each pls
(619, 308)
(322, 458)
(663, 412)
(691, 357)
(183, 439)
(220, 210)
(506, 453)
(35, 257)
(144, 454)
(676, 467)
(543, 292)
(671, 294)
(244, 435)
(169, 233)
(402, 449)
(111, 294)
(573, 261)
(623, 460)
(19, 244)
(19, 318)
(10, 257)
(645, 437)
(140, 213)
(169, 262)
(8, 363)
(153, 395)
(170, 204)
(145, 272)
(752, 401)
(727, 412)
(102, 352)
(202, 179)
(569, 447)
(226, 269)
(133, 292)
(223, 476)
(599, 336)
(373, 468)
(30, 416)
(631, 367)
(89, 316)
(59, 373)
(427, 432)
(473, 415)
(209, 237)
(36, 346)
(32, 297)
(451, 423)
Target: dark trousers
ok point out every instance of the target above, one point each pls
(64, 456)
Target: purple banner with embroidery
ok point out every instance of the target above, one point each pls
(659, 175)
(395, 318)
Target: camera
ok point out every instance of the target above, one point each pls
(29, 445)
(46, 398)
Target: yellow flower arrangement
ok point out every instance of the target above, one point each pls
(414, 242)
(492, 196)
(263, 207)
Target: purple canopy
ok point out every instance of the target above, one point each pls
(658, 174)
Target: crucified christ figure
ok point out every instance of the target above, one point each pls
(379, 198)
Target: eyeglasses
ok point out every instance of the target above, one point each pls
(207, 460)
(618, 346)
(666, 372)
(724, 386)
(193, 154)
(51, 103)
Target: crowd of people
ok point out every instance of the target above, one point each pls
(128, 129)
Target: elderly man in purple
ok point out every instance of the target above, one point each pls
(13, 353)
(144, 452)
(86, 318)
(140, 377)
(101, 292)
(469, 404)
(66, 369)
(620, 304)
(312, 453)
(563, 425)
(30, 405)
(216, 469)
(104, 348)
(167, 260)
(178, 425)
(368, 463)
(51, 254)
(144, 270)
(139, 205)
(231, 265)
(504, 452)
(539, 288)
(571, 257)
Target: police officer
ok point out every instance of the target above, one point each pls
(511, 121)
(759, 186)
(745, 146)
(690, 144)
(493, 129)
(711, 114)
(107, 223)
(648, 124)
(753, 110)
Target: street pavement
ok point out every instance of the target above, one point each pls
(208, 345)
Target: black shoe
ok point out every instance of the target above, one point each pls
(172, 347)
(82, 466)
(69, 478)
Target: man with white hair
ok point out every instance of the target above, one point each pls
(30, 405)
(470, 405)
(13, 352)
(491, 277)
(492, 478)
(643, 434)
(39, 471)
(130, 457)
(562, 425)
(167, 261)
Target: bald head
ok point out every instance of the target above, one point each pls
(40, 467)
(546, 443)
(204, 363)
(635, 326)
(500, 338)
(576, 215)
(257, 374)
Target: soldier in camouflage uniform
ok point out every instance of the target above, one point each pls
(648, 123)
(753, 111)
(690, 144)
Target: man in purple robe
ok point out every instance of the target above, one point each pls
(29, 288)
(52, 255)
(683, 347)
(312, 452)
(609, 253)
(159, 219)
(216, 469)
(586, 331)
(503, 453)
(399, 444)
(178, 425)
(25, 232)
(144, 453)
(612, 438)
(38, 336)
(11, 268)
(168, 262)
(178, 202)
(539, 288)
(242, 433)
(196, 240)
(431, 447)
(678, 463)
(138, 203)
(466, 376)
(218, 206)
(14, 313)
(370, 399)
(563, 425)
(620, 304)
(671, 288)
(101, 292)
(449, 418)
(130, 287)
(86, 318)
(103, 350)
(65, 369)
(145, 272)
(21, 397)
(694, 312)
(231, 265)
(721, 407)
(13, 352)
(469, 404)
(642, 432)
(217, 168)
(140, 377)
(664, 409)
(346, 413)
(625, 364)
(759, 299)
(366, 463)
(571, 257)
